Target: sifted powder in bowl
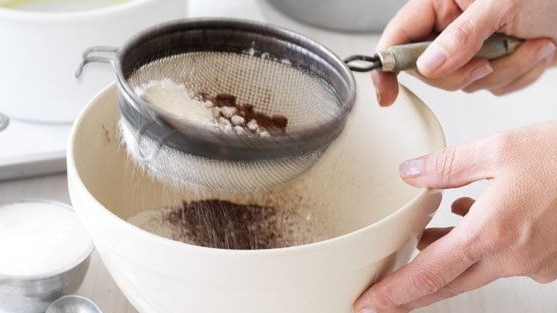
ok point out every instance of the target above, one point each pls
(228, 225)
(39, 238)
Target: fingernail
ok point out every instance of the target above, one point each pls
(546, 51)
(480, 72)
(367, 310)
(411, 168)
(379, 96)
(432, 59)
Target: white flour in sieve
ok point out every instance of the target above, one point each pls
(177, 100)
(39, 238)
(220, 112)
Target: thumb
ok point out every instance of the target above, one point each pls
(451, 167)
(458, 43)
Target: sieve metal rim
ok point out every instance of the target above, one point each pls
(217, 144)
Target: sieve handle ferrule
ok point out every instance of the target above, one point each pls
(96, 54)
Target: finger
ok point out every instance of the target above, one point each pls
(474, 277)
(414, 21)
(431, 270)
(404, 27)
(431, 235)
(462, 77)
(462, 206)
(386, 87)
(457, 44)
(522, 82)
(451, 167)
(528, 57)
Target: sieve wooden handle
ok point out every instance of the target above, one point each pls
(404, 57)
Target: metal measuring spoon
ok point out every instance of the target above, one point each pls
(73, 304)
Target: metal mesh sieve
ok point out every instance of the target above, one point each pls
(275, 71)
(273, 86)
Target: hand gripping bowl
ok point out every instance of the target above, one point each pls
(372, 218)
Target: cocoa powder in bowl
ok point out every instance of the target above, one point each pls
(228, 225)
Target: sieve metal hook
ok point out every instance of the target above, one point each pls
(363, 63)
(90, 55)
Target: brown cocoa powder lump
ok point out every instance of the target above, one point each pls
(275, 125)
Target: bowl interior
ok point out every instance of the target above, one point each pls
(355, 184)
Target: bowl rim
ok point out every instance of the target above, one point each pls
(80, 260)
(73, 172)
(50, 16)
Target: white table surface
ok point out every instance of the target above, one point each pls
(464, 118)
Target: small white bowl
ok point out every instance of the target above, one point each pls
(31, 277)
(41, 51)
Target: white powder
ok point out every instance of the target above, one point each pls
(40, 237)
(154, 221)
(176, 100)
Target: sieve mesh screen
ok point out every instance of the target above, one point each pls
(273, 87)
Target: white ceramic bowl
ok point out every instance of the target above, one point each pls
(374, 218)
(41, 51)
